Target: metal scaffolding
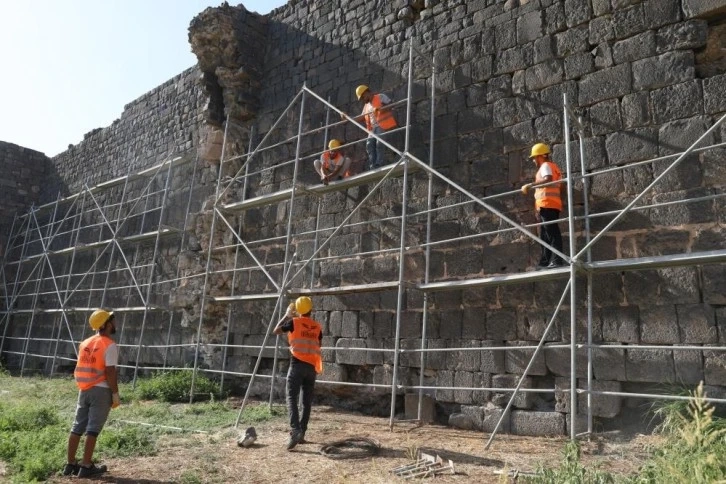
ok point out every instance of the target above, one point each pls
(251, 257)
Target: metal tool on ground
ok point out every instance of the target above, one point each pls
(425, 466)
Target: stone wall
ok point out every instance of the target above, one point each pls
(27, 178)
(637, 74)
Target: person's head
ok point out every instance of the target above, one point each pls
(303, 305)
(334, 146)
(363, 93)
(102, 321)
(540, 153)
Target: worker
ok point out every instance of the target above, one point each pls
(96, 379)
(548, 204)
(378, 119)
(304, 335)
(333, 165)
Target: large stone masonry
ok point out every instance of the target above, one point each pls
(639, 76)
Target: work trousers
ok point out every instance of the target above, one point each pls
(375, 150)
(550, 233)
(300, 376)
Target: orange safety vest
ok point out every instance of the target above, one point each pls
(384, 117)
(304, 341)
(549, 196)
(91, 366)
(336, 160)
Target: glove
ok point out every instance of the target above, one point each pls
(525, 188)
(115, 400)
(290, 310)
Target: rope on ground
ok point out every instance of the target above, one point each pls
(352, 448)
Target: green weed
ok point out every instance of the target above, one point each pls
(261, 413)
(175, 387)
(125, 442)
(571, 470)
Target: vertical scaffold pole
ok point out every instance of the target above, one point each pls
(427, 255)
(319, 200)
(285, 269)
(402, 247)
(573, 286)
(202, 301)
(586, 207)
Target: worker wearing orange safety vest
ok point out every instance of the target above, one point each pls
(378, 119)
(333, 164)
(96, 379)
(304, 335)
(548, 204)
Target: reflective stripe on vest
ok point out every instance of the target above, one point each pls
(384, 117)
(91, 365)
(549, 196)
(304, 341)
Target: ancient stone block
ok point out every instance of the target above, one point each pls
(659, 325)
(348, 357)
(605, 117)
(635, 109)
(601, 30)
(505, 35)
(649, 366)
(578, 64)
(349, 327)
(604, 84)
(558, 361)
(492, 361)
(688, 366)
(428, 408)
(554, 18)
(514, 59)
(501, 325)
(714, 367)
(660, 12)
(691, 34)
(515, 361)
(635, 145)
(714, 286)
(577, 12)
(714, 94)
(492, 416)
(545, 74)
(444, 380)
(572, 41)
(697, 323)
(701, 8)
(608, 363)
(529, 27)
(544, 49)
(663, 70)
(620, 324)
(537, 423)
(628, 21)
(521, 400)
(677, 101)
(634, 48)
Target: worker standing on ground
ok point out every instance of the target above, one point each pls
(333, 164)
(96, 378)
(378, 119)
(548, 204)
(304, 335)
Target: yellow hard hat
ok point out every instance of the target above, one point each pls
(303, 305)
(360, 90)
(540, 149)
(334, 144)
(99, 318)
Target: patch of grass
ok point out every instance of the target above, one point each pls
(571, 470)
(175, 387)
(695, 448)
(190, 477)
(126, 441)
(261, 413)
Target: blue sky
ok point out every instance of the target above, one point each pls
(70, 66)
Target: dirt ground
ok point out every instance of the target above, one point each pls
(190, 458)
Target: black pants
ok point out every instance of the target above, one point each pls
(550, 233)
(300, 376)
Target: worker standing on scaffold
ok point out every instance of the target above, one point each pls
(548, 204)
(305, 336)
(378, 118)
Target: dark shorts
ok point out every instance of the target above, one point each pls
(92, 411)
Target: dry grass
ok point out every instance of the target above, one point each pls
(215, 458)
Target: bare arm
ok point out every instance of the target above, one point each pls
(112, 378)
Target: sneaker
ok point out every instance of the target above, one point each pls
(555, 264)
(295, 438)
(71, 469)
(94, 470)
